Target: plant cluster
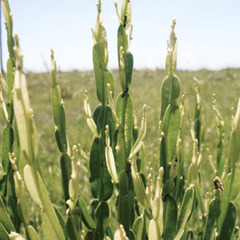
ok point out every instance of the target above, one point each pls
(168, 207)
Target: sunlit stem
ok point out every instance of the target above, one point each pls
(122, 72)
(99, 5)
(172, 35)
(15, 236)
(110, 158)
(82, 235)
(120, 234)
(118, 14)
(54, 77)
(82, 153)
(4, 84)
(111, 103)
(141, 134)
(17, 51)
(149, 189)
(200, 155)
(12, 159)
(195, 152)
(73, 183)
(93, 36)
(211, 159)
(130, 36)
(87, 105)
(139, 187)
(4, 109)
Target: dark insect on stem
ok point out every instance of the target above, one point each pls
(125, 21)
(126, 91)
(176, 160)
(164, 197)
(217, 184)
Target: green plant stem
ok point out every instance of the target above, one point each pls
(102, 142)
(224, 210)
(28, 123)
(200, 199)
(34, 174)
(123, 123)
(68, 177)
(170, 97)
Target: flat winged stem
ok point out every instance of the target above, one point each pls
(111, 103)
(235, 137)
(4, 109)
(15, 236)
(138, 185)
(141, 135)
(122, 73)
(110, 158)
(120, 234)
(175, 161)
(87, 108)
(73, 183)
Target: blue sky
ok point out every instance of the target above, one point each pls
(208, 33)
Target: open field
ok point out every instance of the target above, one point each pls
(145, 89)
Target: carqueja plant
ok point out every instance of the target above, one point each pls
(168, 207)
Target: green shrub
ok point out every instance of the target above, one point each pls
(170, 207)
